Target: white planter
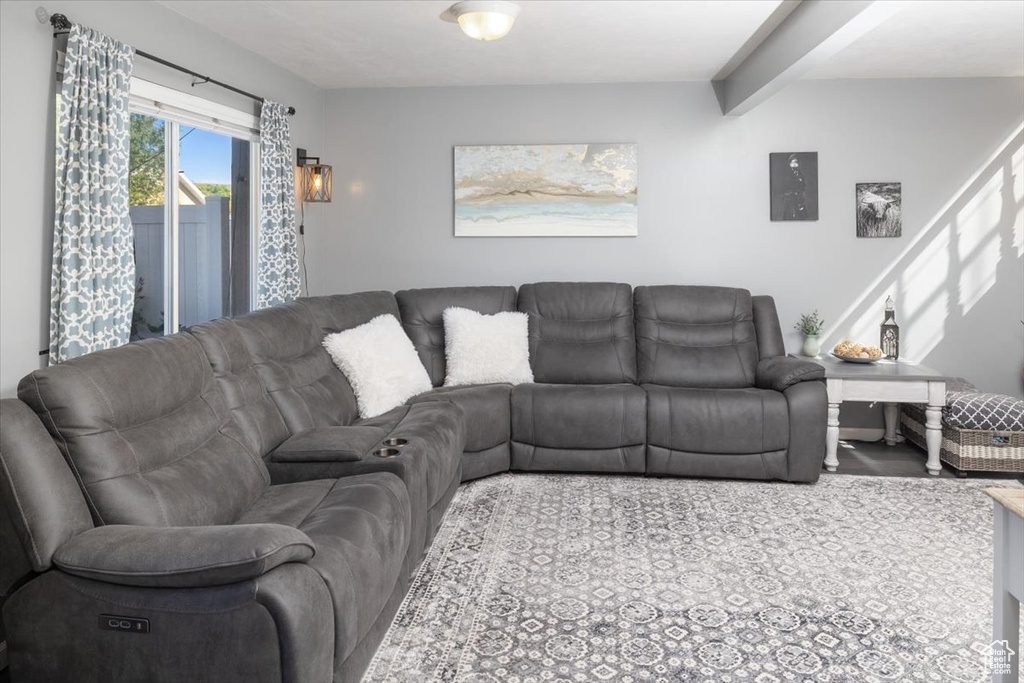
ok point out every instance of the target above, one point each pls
(812, 345)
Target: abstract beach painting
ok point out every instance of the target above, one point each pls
(582, 190)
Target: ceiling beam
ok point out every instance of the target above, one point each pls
(805, 34)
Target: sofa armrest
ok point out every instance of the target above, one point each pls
(328, 444)
(781, 372)
(182, 557)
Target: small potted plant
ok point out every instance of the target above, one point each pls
(810, 326)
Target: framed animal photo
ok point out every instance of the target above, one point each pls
(879, 210)
(793, 178)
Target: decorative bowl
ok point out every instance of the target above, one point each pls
(853, 359)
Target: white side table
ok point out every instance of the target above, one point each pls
(889, 382)
(1008, 583)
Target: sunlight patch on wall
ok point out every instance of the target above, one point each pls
(978, 230)
(926, 297)
(1018, 193)
(952, 261)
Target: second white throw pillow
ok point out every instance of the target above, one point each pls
(380, 363)
(484, 349)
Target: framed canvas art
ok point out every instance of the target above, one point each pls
(793, 177)
(571, 190)
(879, 210)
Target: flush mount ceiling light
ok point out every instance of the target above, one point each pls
(483, 19)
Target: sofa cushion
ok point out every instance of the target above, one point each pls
(578, 428)
(987, 412)
(486, 411)
(256, 414)
(579, 416)
(298, 373)
(727, 421)
(360, 527)
(148, 434)
(338, 312)
(380, 364)
(422, 311)
(695, 336)
(580, 332)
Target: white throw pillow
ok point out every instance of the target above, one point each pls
(482, 349)
(380, 363)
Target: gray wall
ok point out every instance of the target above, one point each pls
(957, 273)
(27, 138)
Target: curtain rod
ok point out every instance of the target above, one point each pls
(62, 25)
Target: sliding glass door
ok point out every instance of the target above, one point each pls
(213, 198)
(191, 196)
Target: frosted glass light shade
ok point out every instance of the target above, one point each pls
(485, 19)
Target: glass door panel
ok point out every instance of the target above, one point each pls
(147, 172)
(212, 194)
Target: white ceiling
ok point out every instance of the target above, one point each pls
(378, 43)
(938, 38)
(397, 43)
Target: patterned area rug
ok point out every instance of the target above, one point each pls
(604, 578)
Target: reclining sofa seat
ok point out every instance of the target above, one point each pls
(158, 503)
(485, 406)
(289, 582)
(323, 437)
(585, 412)
(723, 400)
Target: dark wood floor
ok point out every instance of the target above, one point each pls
(902, 460)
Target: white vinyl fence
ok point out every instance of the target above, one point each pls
(204, 258)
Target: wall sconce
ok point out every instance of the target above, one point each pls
(316, 178)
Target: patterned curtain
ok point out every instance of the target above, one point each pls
(277, 276)
(92, 285)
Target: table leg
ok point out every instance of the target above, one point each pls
(892, 417)
(933, 425)
(832, 438)
(1006, 608)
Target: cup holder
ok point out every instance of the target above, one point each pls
(395, 442)
(386, 452)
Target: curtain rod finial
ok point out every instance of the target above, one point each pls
(291, 111)
(59, 22)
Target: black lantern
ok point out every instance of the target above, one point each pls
(890, 338)
(316, 178)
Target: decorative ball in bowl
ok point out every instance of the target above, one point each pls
(852, 352)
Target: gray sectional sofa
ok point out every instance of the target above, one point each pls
(207, 506)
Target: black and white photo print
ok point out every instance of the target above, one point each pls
(879, 210)
(794, 185)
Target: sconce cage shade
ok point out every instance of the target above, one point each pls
(316, 183)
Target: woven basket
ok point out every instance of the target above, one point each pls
(969, 450)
